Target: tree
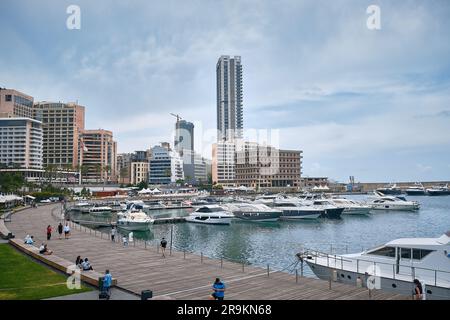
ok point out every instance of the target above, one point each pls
(11, 182)
(142, 185)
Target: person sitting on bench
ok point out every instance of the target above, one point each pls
(86, 265)
(44, 250)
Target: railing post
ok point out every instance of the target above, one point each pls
(221, 262)
(331, 248)
(346, 249)
(268, 270)
(145, 244)
(357, 266)
(301, 270)
(184, 254)
(157, 248)
(393, 271)
(243, 266)
(296, 276)
(435, 278)
(201, 257)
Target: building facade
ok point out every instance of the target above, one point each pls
(230, 121)
(139, 172)
(98, 156)
(260, 166)
(62, 125)
(166, 166)
(21, 143)
(223, 163)
(184, 136)
(124, 167)
(15, 104)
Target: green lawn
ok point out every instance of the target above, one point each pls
(21, 278)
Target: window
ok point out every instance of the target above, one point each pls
(385, 251)
(405, 253)
(8, 97)
(419, 254)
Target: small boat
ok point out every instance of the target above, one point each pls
(439, 191)
(135, 221)
(82, 207)
(393, 203)
(351, 206)
(100, 210)
(210, 214)
(392, 189)
(391, 267)
(254, 212)
(416, 190)
(295, 210)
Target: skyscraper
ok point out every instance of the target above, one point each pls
(230, 120)
(184, 136)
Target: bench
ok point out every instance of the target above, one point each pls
(58, 263)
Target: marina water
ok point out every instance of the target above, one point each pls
(277, 243)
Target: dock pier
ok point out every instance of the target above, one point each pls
(140, 266)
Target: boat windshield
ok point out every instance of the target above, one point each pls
(207, 209)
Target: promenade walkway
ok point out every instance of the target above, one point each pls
(179, 276)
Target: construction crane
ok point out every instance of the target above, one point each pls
(176, 116)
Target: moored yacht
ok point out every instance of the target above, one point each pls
(439, 191)
(351, 206)
(416, 190)
(82, 207)
(256, 212)
(392, 189)
(135, 221)
(210, 214)
(100, 210)
(394, 203)
(391, 267)
(295, 210)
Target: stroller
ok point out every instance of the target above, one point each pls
(104, 293)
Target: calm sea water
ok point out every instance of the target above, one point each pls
(277, 243)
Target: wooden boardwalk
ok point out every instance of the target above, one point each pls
(179, 276)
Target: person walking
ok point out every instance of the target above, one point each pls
(163, 247)
(219, 290)
(49, 232)
(60, 230)
(66, 231)
(113, 234)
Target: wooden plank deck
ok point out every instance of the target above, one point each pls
(178, 276)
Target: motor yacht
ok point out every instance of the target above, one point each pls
(393, 203)
(293, 209)
(210, 214)
(391, 267)
(135, 221)
(351, 206)
(439, 191)
(391, 189)
(416, 190)
(100, 211)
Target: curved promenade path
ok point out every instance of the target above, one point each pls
(179, 276)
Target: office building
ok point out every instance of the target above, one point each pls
(15, 104)
(223, 163)
(166, 165)
(98, 156)
(62, 126)
(139, 172)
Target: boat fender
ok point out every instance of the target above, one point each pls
(335, 277)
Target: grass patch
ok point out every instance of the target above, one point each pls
(21, 278)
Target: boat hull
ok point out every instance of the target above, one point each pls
(333, 213)
(438, 193)
(222, 221)
(134, 226)
(258, 216)
(395, 207)
(356, 211)
(415, 192)
(386, 284)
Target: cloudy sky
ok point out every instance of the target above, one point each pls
(370, 103)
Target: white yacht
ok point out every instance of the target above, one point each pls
(254, 212)
(351, 206)
(100, 210)
(394, 203)
(135, 221)
(82, 207)
(416, 190)
(210, 214)
(439, 191)
(391, 267)
(294, 210)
